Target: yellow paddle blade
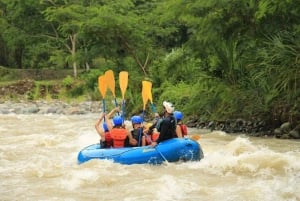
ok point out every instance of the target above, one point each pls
(145, 100)
(123, 80)
(110, 79)
(102, 85)
(148, 89)
(144, 94)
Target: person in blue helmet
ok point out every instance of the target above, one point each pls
(135, 136)
(117, 130)
(181, 129)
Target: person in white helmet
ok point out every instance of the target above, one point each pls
(167, 126)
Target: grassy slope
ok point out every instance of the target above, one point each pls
(31, 84)
(10, 74)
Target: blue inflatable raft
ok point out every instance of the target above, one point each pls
(173, 150)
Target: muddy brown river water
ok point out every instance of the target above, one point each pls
(38, 161)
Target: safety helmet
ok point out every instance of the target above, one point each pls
(178, 115)
(136, 120)
(168, 106)
(105, 128)
(117, 120)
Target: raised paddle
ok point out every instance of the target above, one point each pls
(148, 91)
(102, 86)
(110, 79)
(147, 95)
(145, 100)
(123, 81)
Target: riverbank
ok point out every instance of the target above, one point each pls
(258, 128)
(50, 107)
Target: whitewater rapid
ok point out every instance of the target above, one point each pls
(38, 161)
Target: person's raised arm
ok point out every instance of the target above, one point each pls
(99, 120)
(97, 124)
(109, 115)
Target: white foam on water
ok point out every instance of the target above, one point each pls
(38, 161)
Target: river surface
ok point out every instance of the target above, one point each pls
(38, 161)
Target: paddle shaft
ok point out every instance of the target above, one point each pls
(102, 86)
(163, 157)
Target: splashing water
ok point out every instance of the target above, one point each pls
(38, 162)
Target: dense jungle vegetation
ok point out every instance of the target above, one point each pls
(214, 59)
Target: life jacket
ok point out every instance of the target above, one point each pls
(118, 135)
(154, 136)
(184, 130)
(108, 140)
(151, 137)
(137, 135)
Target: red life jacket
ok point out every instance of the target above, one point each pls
(154, 136)
(184, 130)
(118, 136)
(108, 140)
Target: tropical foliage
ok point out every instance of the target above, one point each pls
(215, 59)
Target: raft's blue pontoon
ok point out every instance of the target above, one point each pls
(176, 149)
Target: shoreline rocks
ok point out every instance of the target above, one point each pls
(53, 107)
(257, 128)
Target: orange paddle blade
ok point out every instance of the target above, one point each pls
(123, 80)
(110, 79)
(102, 86)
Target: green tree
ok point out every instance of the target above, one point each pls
(67, 21)
(225, 37)
(22, 23)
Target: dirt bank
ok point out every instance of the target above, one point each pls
(27, 89)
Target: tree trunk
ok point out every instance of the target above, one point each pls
(19, 55)
(87, 66)
(73, 52)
